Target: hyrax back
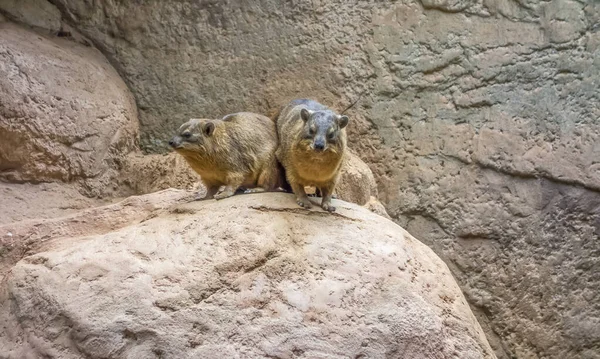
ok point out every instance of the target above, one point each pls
(312, 144)
(236, 151)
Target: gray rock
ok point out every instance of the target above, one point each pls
(251, 276)
(37, 13)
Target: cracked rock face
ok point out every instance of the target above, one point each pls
(252, 276)
(65, 114)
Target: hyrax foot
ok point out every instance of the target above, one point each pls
(226, 193)
(328, 207)
(211, 190)
(255, 190)
(304, 202)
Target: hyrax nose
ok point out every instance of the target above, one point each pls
(319, 146)
(171, 143)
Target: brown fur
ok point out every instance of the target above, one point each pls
(236, 151)
(304, 165)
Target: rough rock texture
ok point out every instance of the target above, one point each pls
(479, 120)
(250, 276)
(357, 183)
(25, 201)
(18, 239)
(65, 114)
(151, 173)
(37, 13)
(490, 153)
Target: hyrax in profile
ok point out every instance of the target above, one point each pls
(236, 151)
(312, 144)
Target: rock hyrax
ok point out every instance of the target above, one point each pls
(236, 151)
(312, 144)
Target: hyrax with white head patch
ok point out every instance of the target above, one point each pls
(312, 144)
(236, 151)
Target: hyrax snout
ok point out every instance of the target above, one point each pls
(312, 145)
(235, 151)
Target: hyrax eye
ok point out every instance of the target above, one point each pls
(311, 131)
(331, 135)
(186, 135)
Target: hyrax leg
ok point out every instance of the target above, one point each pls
(211, 190)
(327, 192)
(319, 194)
(233, 182)
(268, 178)
(301, 197)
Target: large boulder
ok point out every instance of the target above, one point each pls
(65, 114)
(251, 276)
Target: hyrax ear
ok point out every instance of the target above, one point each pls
(209, 128)
(305, 114)
(342, 121)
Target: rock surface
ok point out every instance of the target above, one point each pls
(28, 236)
(25, 201)
(150, 173)
(479, 121)
(65, 114)
(37, 13)
(357, 183)
(251, 276)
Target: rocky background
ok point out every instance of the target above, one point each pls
(478, 118)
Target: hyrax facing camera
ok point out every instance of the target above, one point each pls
(312, 144)
(236, 151)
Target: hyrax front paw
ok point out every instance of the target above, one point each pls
(328, 207)
(304, 202)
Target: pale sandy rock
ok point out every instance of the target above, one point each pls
(151, 173)
(251, 276)
(374, 205)
(29, 235)
(356, 183)
(65, 113)
(25, 201)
